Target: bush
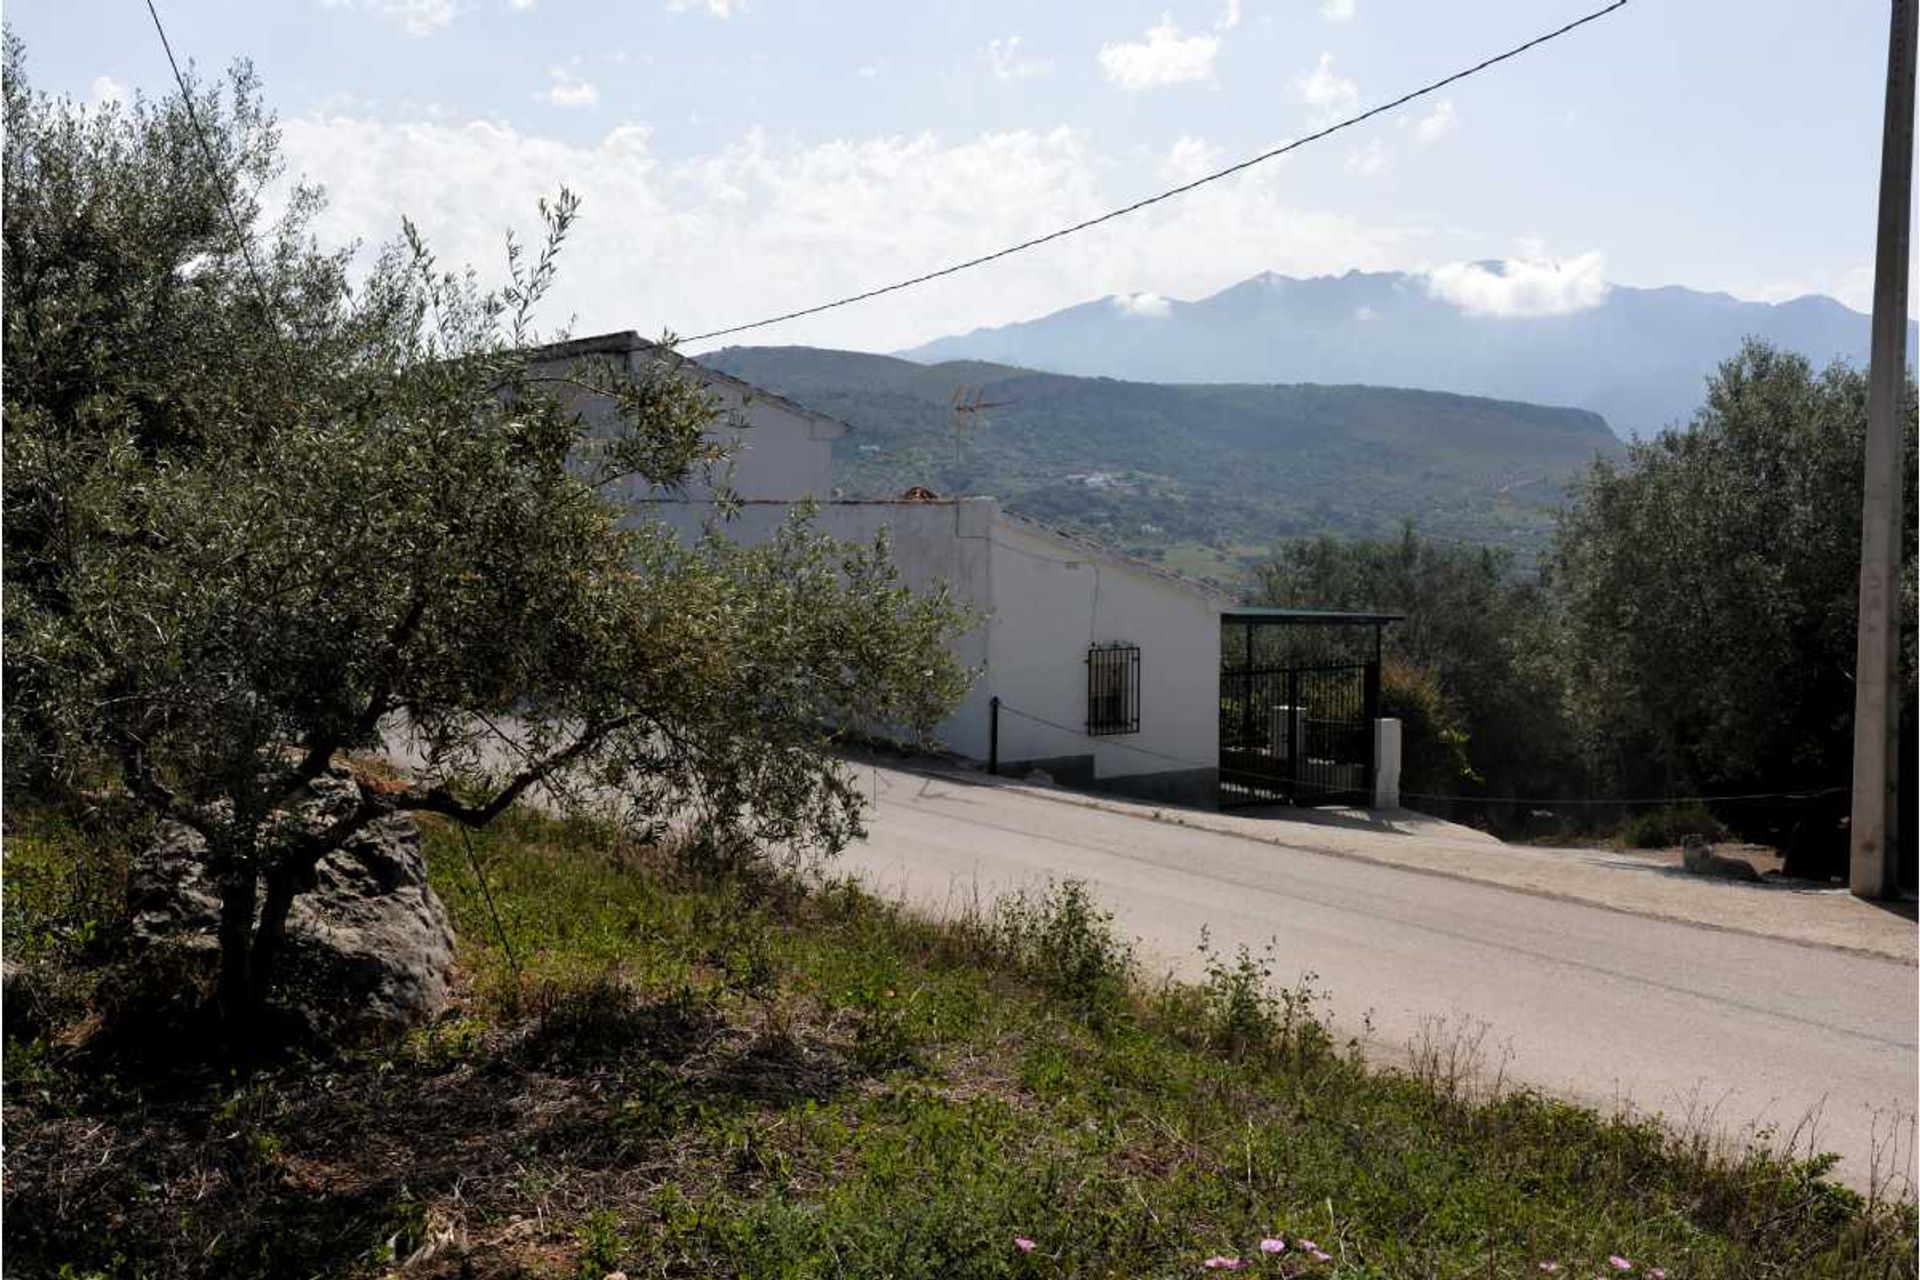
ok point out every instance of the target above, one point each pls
(1239, 1013)
(1062, 941)
(1666, 827)
(1433, 744)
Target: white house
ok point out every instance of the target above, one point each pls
(1106, 669)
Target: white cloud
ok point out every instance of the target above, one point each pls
(569, 90)
(1142, 306)
(872, 71)
(1229, 17)
(1436, 124)
(760, 225)
(721, 9)
(1522, 286)
(1164, 57)
(1188, 158)
(419, 17)
(1007, 63)
(520, 5)
(1331, 97)
(1337, 10)
(106, 89)
(1368, 160)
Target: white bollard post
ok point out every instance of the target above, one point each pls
(1386, 756)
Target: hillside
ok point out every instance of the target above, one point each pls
(1639, 358)
(1201, 476)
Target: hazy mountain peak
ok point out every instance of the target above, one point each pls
(1545, 332)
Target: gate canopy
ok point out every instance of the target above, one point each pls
(1283, 635)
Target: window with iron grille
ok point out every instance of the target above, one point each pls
(1113, 689)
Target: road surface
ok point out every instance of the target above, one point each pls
(1698, 1024)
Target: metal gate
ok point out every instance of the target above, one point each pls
(1299, 735)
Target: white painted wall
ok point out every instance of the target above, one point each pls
(778, 452)
(933, 543)
(1053, 598)
(1043, 600)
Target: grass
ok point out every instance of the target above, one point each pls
(668, 1073)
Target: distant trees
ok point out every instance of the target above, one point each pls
(1474, 632)
(1692, 629)
(259, 515)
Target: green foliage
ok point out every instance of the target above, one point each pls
(1475, 632)
(1063, 941)
(1433, 744)
(1709, 584)
(641, 1115)
(600, 1245)
(1204, 475)
(1666, 827)
(64, 889)
(1237, 1011)
(260, 515)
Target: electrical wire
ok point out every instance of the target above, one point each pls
(213, 165)
(500, 929)
(1171, 192)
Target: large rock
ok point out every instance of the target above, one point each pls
(369, 947)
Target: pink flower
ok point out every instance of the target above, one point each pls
(1273, 1245)
(1220, 1262)
(1619, 1263)
(1023, 1244)
(1658, 1273)
(1308, 1245)
(1320, 1255)
(1550, 1267)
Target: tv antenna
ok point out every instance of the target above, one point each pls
(969, 400)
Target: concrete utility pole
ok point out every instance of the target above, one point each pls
(1874, 865)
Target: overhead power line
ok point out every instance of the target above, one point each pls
(213, 165)
(1171, 192)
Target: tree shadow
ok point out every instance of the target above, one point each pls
(329, 1167)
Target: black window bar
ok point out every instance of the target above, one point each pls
(1113, 689)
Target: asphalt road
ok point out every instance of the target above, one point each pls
(1700, 1025)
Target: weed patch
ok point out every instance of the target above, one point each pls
(666, 1071)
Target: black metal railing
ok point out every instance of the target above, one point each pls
(1113, 689)
(1298, 734)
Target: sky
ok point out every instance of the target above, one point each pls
(740, 158)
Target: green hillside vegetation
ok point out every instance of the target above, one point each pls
(658, 1067)
(1206, 477)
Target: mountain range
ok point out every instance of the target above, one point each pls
(1637, 357)
(1204, 477)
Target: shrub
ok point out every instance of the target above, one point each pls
(1433, 743)
(1064, 942)
(1665, 827)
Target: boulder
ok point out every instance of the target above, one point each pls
(1697, 856)
(369, 949)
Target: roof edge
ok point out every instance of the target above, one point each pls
(629, 341)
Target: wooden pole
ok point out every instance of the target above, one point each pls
(1873, 870)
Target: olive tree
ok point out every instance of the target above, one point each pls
(1709, 584)
(264, 510)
